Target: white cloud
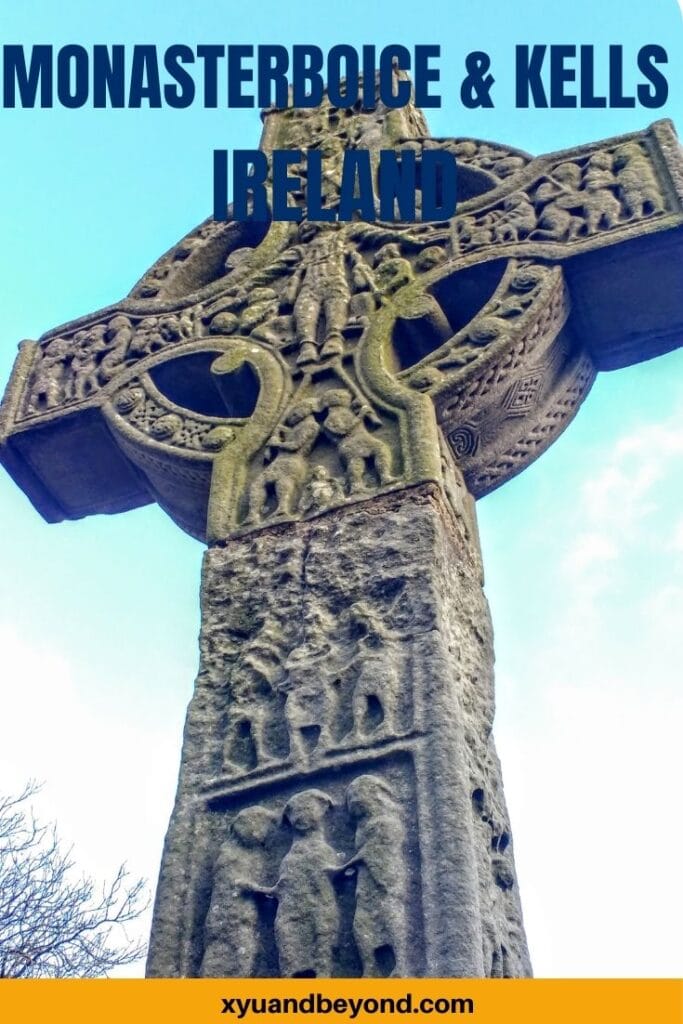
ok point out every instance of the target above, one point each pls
(677, 535)
(615, 509)
(663, 614)
(623, 493)
(589, 549)
(590, 717)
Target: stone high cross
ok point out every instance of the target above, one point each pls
(322, 404)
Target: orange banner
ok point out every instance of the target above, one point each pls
(340, 1001)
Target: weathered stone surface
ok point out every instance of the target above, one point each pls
(340, 808)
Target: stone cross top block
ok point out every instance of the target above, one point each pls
(261, 372)
(321, 403)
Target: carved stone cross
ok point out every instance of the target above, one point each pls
(322, 403)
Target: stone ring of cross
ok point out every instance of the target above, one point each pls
(480, 336)
(322, 403)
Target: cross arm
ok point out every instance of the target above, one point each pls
(68, 466)
(492, 327)
(571, 265)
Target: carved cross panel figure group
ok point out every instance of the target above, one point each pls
(295, 482)
(335, 397)
(307, 919)
(304, 692)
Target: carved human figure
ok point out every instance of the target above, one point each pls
(290, 447)
(86, 359)
(307, 710)
(320, 291)
(275, 330)
(320, 491)
(392, 269)
(379, 916)
(223, 316)
(517, 221)
(261, 318)
(263, 305)
(600, 205)
(637, 183)
(176, 327)
(118, 336)
(307, 918)
(231, 929)
(368, 134)
(472, 231)
(358, 449)
(147, 338)
(253, 684)
(376, 690)
(559, 196)
(51, 374)
(366, 295)
(153, 334)
(432, 256)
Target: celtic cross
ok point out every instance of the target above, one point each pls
(321, 403)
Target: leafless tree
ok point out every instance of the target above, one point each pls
(52, 923)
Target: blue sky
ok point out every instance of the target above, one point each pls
(583, 552)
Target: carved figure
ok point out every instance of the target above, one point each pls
(306, 707)
(508, 165)
(263, 305)
(252, 689)
(561, 195)
(375, 699)
(366, 295)
(119, 336)
(637, 183)
(473, 232)
(49, 380)
(379, 917)
(286, 473)
(320, 491)
(375, 693)
(231, 929)
(358, 449)
(392, 270)
(85, 361)
(148, 338)
(332, 150)
(518, 219)
(431, 257)
(320, 291)
(275, 330)
(600, 205)
(176, 327)
(307, 918)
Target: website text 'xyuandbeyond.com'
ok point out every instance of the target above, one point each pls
(349, 1007)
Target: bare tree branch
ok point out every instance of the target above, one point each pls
(52, 923)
